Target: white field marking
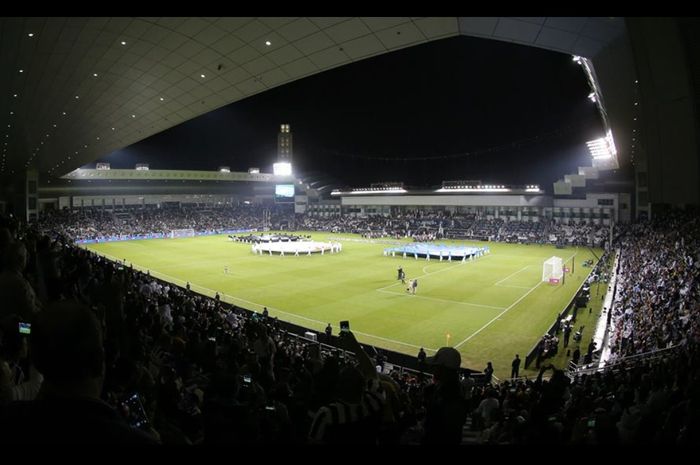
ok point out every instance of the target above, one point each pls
(507, 309)
(513, 274)
(434, 272)
(444, 300)
(510, 285)
(174, 280)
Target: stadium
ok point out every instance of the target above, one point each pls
(386, 231)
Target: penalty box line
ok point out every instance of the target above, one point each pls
(442, 300)
(507, 309)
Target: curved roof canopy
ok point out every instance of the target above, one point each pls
(76, 89)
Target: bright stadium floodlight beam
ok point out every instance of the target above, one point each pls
(601, 148)
(282, 169)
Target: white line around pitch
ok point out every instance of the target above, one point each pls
(322, 323)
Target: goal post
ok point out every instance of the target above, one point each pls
(181, 233)
(553, 269)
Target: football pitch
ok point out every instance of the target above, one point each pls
(489, 308)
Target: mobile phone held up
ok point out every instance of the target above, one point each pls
(25, 328)
(133, 410)
(344, 326)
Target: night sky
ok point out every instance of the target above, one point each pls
(458, 108)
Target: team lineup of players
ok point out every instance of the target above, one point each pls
(412, 283)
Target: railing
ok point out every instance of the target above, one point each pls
(625, 362)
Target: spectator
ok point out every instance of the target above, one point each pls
(355, 416)
(329, 332)
(445, 405)
(515, 367)
(488, 374)
(16, 293)
(421, 359)
(66, 344)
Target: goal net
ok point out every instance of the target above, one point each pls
(553, 269)
(181, 233)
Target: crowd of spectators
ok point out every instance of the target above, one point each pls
(658, 288)
(421, 225)
(206, 373)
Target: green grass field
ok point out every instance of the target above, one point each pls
(492, 307)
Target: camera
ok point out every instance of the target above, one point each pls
(344, 326)
(25, 328)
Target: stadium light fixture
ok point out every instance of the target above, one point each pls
(602, 148)
(388, 190)
(282, 168)
(475, 189)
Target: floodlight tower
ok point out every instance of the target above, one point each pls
(284, 151)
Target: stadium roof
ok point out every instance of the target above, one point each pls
(76, 89)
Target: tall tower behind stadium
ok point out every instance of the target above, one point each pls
(284, 144)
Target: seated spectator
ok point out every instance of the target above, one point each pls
(16, 294)
(14, 383)
(66, 345)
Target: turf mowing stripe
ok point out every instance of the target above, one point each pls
(443, 300)
(175, 280)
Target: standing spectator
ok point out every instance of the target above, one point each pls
(446, 407)
(421, 359)
(355, 417)
(567, 334)
(329, 332)
(515, 367)
(488, 373)
(577, 356)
